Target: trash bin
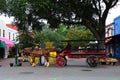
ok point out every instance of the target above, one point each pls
(20, 64)
(11, 64)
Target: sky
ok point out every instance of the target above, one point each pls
(113, 13)
(7, 20)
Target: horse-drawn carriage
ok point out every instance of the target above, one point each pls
(92, 54)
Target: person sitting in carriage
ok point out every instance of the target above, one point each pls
(68, 46)
(37, 47)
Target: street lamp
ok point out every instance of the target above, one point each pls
(16, 52)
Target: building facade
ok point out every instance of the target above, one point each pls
(113, 38)
(2, 34)
(109, 30)
(117, 37)
(8, 34)
(3, 29)
(12, 32)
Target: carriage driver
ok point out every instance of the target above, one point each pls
(37, 47)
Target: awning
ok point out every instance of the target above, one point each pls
(109, 40)
(7, 42)
(112, 39)
(2, 44)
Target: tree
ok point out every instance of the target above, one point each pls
(74, 32)
(79, 33)
(91, 13)
(48, 36)
(26, 39)
(2, 6)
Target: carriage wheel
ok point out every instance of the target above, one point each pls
(60, 62)
(92, 61)
(65, 60)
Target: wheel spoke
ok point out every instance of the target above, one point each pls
(60, 62)
(92, 61)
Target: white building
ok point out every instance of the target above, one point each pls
(8, 34)
(109, 36)
(109, 30)
(3, 29)
(12, 32)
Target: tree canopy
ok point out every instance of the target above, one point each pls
(91, 13)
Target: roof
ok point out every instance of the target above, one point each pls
(109, 25)
(108, 40)
(117, 18)
(14, 27)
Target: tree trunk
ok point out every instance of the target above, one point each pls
(101, 38)
(101, 44)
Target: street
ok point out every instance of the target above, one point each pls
(73, 71)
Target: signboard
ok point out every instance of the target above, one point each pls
(117, 26)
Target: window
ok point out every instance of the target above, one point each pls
(13, 36)
(116, 28)
(3, 33)
(9, 36)
(112, 32)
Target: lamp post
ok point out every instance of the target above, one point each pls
(16, 56)
(16, 53)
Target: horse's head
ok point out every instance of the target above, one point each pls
(26, 50)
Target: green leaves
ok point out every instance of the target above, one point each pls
(63, 33)
(89, 13)
(26, 39)
(48, 35)
(3, 6)
(79, 33)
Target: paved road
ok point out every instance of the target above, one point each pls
(76, 70)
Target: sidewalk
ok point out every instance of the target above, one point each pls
(6, 62)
